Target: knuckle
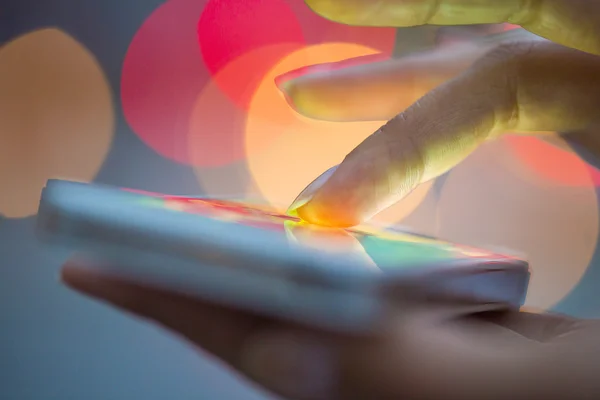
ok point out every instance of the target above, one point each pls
(500, 73)
(508, 56)
(529, 77)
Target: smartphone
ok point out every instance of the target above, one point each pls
(248, 256)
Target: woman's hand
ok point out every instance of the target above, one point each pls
(471, 93)
(431, 349)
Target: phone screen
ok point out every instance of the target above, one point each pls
(380, 248)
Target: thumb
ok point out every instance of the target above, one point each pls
(416, 359)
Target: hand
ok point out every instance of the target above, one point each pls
(472, 93)
(431, 349)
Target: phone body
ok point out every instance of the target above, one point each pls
(249, 257)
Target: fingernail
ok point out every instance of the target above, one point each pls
(307, 194)
(293, 366)
(285, 81)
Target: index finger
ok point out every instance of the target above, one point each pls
(524, 87)
(573, 23)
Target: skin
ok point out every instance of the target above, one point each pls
(441, 106)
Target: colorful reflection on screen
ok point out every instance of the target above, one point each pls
(383, 249)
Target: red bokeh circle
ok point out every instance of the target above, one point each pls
(163, 73)
(229, 28)
(217, 126)
(186, 44)
(555, 164)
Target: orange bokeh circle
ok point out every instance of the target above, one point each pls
(485, 202)
(216, 126)
(286, 151)
(550, 158)
(56, 117)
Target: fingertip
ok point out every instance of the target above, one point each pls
(308, 193)
(83, 276)
(322, 206)
(287, 88)
(73, 271)
(334, 199)
(84, 281)
(304, 97)
(317, 212)
(358, 89)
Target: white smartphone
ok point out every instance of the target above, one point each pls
(247, 256)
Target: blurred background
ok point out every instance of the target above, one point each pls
(178, 97)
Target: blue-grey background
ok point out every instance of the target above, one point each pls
(55, 344)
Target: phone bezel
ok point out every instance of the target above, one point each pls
(92, 213)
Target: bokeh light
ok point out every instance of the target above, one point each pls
(216, 127)
(228, 30)
(535, 158)
(167, 68)
(318, 30)
(286, 151)
(163, 73)
(487, 204)
(56, 117)
(229, 181)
